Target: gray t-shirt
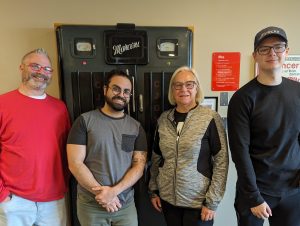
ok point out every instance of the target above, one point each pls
(110, 144)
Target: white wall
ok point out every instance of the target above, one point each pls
(219, 25)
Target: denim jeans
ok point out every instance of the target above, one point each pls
(23, 212)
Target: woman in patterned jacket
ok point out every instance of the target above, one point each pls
(190, 156)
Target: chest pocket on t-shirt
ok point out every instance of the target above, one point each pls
(128, 142)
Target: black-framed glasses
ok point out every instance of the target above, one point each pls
(265, 50)
(117, 90)
(37, 67)
(188, 85)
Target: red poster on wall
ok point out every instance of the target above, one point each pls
(225, 71)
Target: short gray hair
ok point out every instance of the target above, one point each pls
(40, 51)
(199, 94)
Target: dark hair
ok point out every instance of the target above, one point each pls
(115, 72)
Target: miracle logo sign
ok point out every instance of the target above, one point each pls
(126, 47)
(130, 48)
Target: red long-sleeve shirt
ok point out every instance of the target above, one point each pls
(33, 135)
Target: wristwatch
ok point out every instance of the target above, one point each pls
(153, 194)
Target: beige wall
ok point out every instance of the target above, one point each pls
(219, 25)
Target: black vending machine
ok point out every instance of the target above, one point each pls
(148, 54)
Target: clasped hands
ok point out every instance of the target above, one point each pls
(107, 198)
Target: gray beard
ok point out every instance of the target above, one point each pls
(29, 81)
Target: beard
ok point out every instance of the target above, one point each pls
(36, 81)
(116, 106)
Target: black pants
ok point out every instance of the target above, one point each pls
(285, 211)
(180, 216)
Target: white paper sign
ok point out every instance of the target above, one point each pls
(291, 67)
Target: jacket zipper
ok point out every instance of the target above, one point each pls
(178, 132)
(175, 168)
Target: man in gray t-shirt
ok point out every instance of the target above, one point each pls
(107, 154)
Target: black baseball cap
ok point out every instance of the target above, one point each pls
(268, 32)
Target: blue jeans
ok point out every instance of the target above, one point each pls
(23, 212)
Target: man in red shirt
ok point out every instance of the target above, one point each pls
(33, 132)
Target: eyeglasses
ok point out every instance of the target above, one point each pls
(36, 67)
(265, 50)
(117, 90)
(188, 85)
